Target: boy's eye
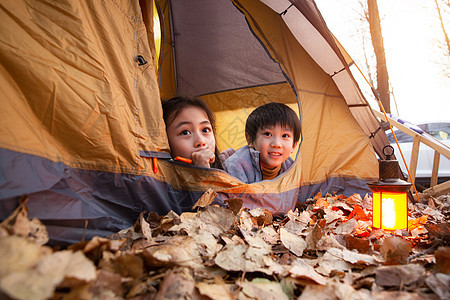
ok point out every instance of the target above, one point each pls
(185, 132)
(286, 136)
(266, 133)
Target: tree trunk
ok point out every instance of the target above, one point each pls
(447, 40)
(378, 47)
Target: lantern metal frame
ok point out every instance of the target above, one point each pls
(391, 185)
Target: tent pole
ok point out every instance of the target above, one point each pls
(163, 39)
(172, 44)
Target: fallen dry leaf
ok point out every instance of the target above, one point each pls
(318, 292)
(293, 242)
(354, 257)
(314, 236)
(263, 289)
(17, 254)
(442, 256)
(235, 204)
(40, 281)
(394, 295)
(414, 223)
(329, 263)
(19, 224)
(178, 284)
(358, 214)
(206, 199)
(208, 244)
(126, 264)
(107, 285)
(395, 250)
(400, 275)
(304, 271)
(231, 258)
(176, 251)
(328, 241)
(216, 291)
(263, 216)
(347, 227)
(439, 233)
(362, 245)
(270, 235)
(440, 284)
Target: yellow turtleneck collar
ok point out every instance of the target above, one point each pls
(269, 174)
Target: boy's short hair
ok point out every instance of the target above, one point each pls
(272, 114)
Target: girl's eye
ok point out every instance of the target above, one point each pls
(266, 133)
(286, 136)
(206, 130)
(185, 132)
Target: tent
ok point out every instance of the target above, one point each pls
(81, 130)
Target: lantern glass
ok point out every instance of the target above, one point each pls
(390, 210)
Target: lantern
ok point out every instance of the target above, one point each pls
(389, 201)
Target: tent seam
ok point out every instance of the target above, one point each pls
(131, 17)
(136, 87)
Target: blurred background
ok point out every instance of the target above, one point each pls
(416, 50)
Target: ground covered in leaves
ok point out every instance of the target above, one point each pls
(325, 249)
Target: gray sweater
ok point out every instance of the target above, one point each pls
(244, 164)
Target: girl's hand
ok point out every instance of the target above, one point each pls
(203, 158)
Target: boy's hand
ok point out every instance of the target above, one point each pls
(203, 158)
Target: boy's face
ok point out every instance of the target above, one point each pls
(275, 144)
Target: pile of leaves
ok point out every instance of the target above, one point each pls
(325, 249)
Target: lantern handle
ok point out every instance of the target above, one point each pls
(388, 151)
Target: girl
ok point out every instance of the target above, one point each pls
(190, 127)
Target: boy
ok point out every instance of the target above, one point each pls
(272, 132)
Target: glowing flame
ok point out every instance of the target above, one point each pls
(388, 213)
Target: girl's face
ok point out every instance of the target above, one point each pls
(274, 144)
(189, 132)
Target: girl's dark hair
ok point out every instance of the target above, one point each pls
(272, 114)
(173, 106)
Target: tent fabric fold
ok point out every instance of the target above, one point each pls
(81, 119)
